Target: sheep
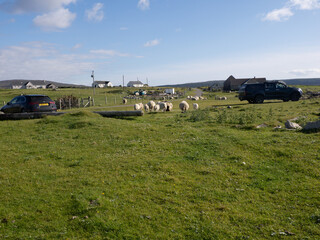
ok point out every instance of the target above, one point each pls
(223, 98)
(169, 106)
(156, 107)
(151, 105)
(184, 106)
(141, 105)
(163, 106)
(124, 101)
(146, 107)
(137, 107)
(196, 98)
(188, 97)
(195, 106)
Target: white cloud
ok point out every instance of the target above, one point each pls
(144, 4)
(279, 15)
(26, 6)
(305, 72)
(109, 53)
(77, 46)
(96, 13)
(38, 60)
(123, 28)
(152, 43)
(286, 12)
(59, 19)
(305, 4)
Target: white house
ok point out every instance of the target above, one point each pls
(102, 84)
(169, 91)
(135, 84)
(30, 85)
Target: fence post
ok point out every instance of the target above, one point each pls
(79, 102)
(92, 101)
(69, 103)
(60, 103)
(4, 103)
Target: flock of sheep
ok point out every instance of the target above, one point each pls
(162, 106)
(168, 106)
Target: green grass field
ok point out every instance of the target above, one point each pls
(206, 174)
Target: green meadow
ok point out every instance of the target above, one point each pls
(204, 174)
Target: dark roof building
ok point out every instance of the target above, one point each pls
(135, 84)
(233, 84)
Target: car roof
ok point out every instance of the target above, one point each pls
(35, 95)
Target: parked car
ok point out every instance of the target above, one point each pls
(30, 103)
(258, 92)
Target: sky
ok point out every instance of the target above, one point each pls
(158, 41)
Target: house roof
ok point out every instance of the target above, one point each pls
(239, 81)
(101, 82)
(135, 82)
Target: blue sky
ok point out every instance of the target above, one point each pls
(166, 41)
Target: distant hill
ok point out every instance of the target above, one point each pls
(303, 81)
(298, 81)
(8, 83)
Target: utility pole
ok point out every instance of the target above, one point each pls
(92, 75)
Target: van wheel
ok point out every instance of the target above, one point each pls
(295, 97)
(259, 99)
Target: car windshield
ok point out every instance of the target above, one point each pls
(40, 98)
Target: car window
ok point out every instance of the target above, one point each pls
(280, 85)
(15, 100)
(269, 85)
(40, 98)
(21, 99)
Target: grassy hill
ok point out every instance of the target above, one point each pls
(207, 174)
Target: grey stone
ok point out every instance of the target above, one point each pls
(262, 125)
(292, 125)
(312, 125)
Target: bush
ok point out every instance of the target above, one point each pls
(67, 102)
(200, 115)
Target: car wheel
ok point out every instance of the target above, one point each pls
(295, 97)
(259, 99)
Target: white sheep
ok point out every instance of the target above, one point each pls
(195, 106)
(223, 98)
(124, 101)
(151, 105)
(146, 107)
(184, 106)
(169, 106)
(141, 105)
(156, 107)
(137, 107)
(196, 98)
(163, 106)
